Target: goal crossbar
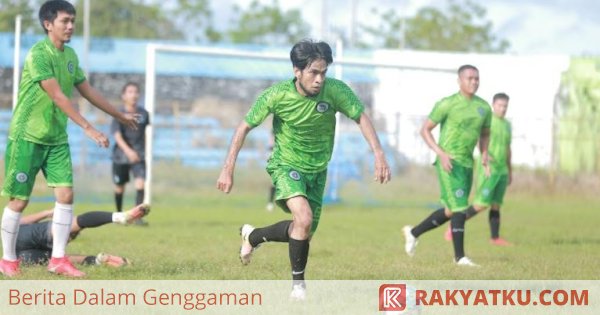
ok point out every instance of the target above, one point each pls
(150, 80)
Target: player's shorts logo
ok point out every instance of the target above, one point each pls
(70, 67)
(486, 192)
(322, 107)
(21, 177)
(295, 175)
(481, 111)
(459, 193)
(392, 297)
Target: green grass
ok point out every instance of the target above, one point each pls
(193, 234)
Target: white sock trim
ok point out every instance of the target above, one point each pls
(61, 228)
(10, 229)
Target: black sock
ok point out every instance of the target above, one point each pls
(139, 196)
(89, 260)
(94, 219)
(119, 201)
(277, 232)
(437, 218)
(298, 258)
(495, 222)
(470, 212)
(272, 194)
(457, 223)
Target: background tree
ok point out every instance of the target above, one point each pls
(195, 20)
(268, 25)
(461, 27)
(9, 9)
(127, 19)
(389, 33)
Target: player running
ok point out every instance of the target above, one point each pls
(304, 118)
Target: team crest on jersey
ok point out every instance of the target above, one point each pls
(294, 175)
(481, 111)
(322, 107)
(21, 177)
(459, 193)
(70, 67)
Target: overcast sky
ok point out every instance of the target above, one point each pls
(531, 26)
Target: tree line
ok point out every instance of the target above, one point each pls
(460, 26)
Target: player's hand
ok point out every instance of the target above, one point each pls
(98, 137)
(130, 120)
(225, 181)
(488, 171)
(446, 161)
(132, 156)
(383, 174)
(485, 158)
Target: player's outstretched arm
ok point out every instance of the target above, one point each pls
(225, 180)
(382, 169)
(426, 133)
(92, 95)
(36, 217)
(53, 90)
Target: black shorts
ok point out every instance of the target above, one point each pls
(121, 172)
(34, 243)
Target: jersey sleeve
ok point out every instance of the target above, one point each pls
(79, 76)
(509, 133)
(114, 127)
(487, 123)
(439, 112)
(262, 107)
(40, 65)
(346, 101)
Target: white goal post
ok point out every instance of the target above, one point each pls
(151, 72)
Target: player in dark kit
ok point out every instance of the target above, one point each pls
(129, 150)
(34, 241)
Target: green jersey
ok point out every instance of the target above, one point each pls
(500, 138)
(461, 122)
(36, 118)
(304, 127)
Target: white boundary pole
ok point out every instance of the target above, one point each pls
(16, 61)
(149, 106)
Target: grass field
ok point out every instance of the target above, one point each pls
(193, 232)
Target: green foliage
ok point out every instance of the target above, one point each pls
(268, 24)
(194, 18)
(127, 19)
(579, 120)
(461, 27)
(9, 9)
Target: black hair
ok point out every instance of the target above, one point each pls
(306, 51)
(49, 10)
(500, 96)
(128, 84)
(466, 67)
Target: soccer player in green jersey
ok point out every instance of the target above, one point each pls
(38, 134)
(493, 180)
(304, 117)
(465, 119)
